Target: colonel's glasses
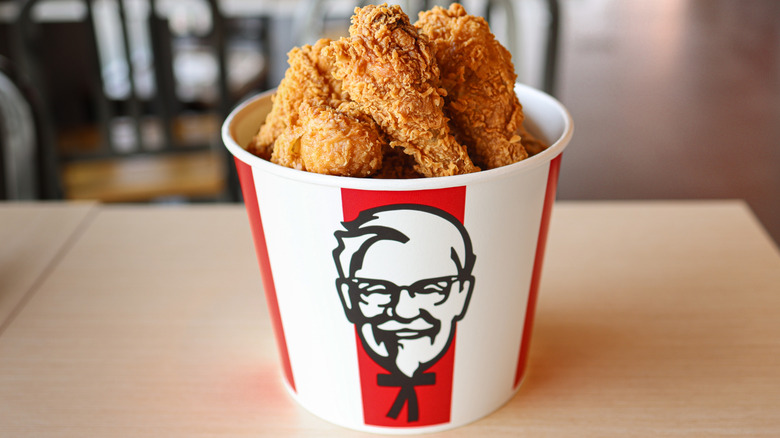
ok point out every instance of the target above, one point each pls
(386, 293)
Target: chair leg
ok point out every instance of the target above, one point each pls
(551, 52)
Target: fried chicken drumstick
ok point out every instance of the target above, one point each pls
(478, 76)
(389, 70)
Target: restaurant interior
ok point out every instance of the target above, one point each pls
(122, 102)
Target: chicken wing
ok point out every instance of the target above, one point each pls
(307, 79)
(312, 125)
(389, 70)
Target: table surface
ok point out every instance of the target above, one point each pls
(654, 319)
(32, 238)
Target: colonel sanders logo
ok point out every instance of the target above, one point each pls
(405, 279)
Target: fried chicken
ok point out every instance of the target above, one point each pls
(397, 165)
(396, 100)
(478, 76)
(313, 126)
(387, 67)
(303, 81)
(331, 141)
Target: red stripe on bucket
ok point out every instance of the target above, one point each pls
(255, 222)
(549, 199)
(435, 401)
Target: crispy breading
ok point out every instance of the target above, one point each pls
(307, 79)
(396, 100)
(312, 125)
(478, 76)
(388, 69)
(332, 142)
(397, 165)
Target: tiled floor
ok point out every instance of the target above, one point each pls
(673, 99)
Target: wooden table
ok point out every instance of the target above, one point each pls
(33, 237)
(654, 319)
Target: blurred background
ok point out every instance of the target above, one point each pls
(122, 100)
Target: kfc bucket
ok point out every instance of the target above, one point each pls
(402, 306)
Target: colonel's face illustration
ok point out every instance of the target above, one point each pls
(404, 280)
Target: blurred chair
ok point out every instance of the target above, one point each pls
(135, 91)
(548, 62)
(24, 169)
(329, 18)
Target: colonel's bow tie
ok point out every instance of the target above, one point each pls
(407, 394)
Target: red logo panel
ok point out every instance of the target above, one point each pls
(384, 404)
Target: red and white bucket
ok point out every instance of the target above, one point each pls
(402, 306)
